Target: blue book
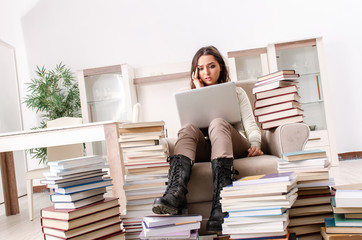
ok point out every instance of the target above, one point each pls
(265, 178)
(84, 187)
(303, 155)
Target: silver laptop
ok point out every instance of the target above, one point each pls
(200, 106)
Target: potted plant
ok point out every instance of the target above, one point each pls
(53, 94)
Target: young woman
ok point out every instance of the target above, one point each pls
(220, 143)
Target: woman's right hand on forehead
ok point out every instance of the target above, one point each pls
(197, 81)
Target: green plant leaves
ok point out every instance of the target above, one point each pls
(53, 93)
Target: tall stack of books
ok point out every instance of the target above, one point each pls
(80, 210)
(314, 192)
(346, 222)
(145, 159)
(171, 227)
(258, 206)
(277, 99)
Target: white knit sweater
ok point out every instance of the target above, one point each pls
(248, 127)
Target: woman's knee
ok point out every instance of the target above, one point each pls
(188, 129)
(219, 123)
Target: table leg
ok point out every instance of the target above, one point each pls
(116, 167)
(9, 183)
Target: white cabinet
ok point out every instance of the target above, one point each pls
(306, 58)
(106, 94)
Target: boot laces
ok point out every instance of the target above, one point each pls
(220, 176)
(174, 175)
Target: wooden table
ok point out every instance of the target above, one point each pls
(84, 133)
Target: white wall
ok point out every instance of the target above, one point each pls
(91, 33)
(11, 38)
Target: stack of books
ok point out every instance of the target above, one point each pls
(346, 222)
(80, 210)
(314, 191)
(277, 99)
(171, 227)
(258, 206)
(146, 171)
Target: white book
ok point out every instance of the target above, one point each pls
(75, 178)
(72, 176)
(256, 228)
(79, 203)
(77, 196)
(280, 234)
(175, 228)
(348, 198)
(76, 162)
(258, 219)
(234, 200)
(75, 182)
(258, 212)
(58, 173)
(158, 221)
(257, 205)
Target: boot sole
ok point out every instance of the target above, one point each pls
(164, 209)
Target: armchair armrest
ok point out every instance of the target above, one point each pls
(285, 138)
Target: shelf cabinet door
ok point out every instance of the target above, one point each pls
(248, 64)
(106, 94)
(303, 58)
(306, 58)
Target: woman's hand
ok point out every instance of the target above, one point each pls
(254, 151)
(197, 81)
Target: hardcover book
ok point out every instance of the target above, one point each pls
(278, 122)
(83, 187)
(276, 108)
(276, 92)
(79, 203)
(101, 233)
(274, 74)
(265, 178)
(77, 196)
(156, 231)
(159, 221)
(273, 85)
(81, 221)
(276, 100)
(303, 155)
(348, 198)
(330, 226)
(68, 214)
(83, 229)
(282, 77)
(279, 115)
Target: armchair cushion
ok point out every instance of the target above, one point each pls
(285, 138)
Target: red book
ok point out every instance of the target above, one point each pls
(81, 221)
(276, 100)
(67, 214)
(98, 233)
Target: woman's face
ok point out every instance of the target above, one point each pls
(209, 69)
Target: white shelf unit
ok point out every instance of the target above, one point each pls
(306, 57)
(106, 94)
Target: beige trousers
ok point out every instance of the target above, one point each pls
(223, 141)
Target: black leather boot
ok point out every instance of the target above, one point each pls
(173, 200)
(222, 176)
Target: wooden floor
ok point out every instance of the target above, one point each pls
(18, 227)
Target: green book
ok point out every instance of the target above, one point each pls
(331, 227)
(341, 221)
